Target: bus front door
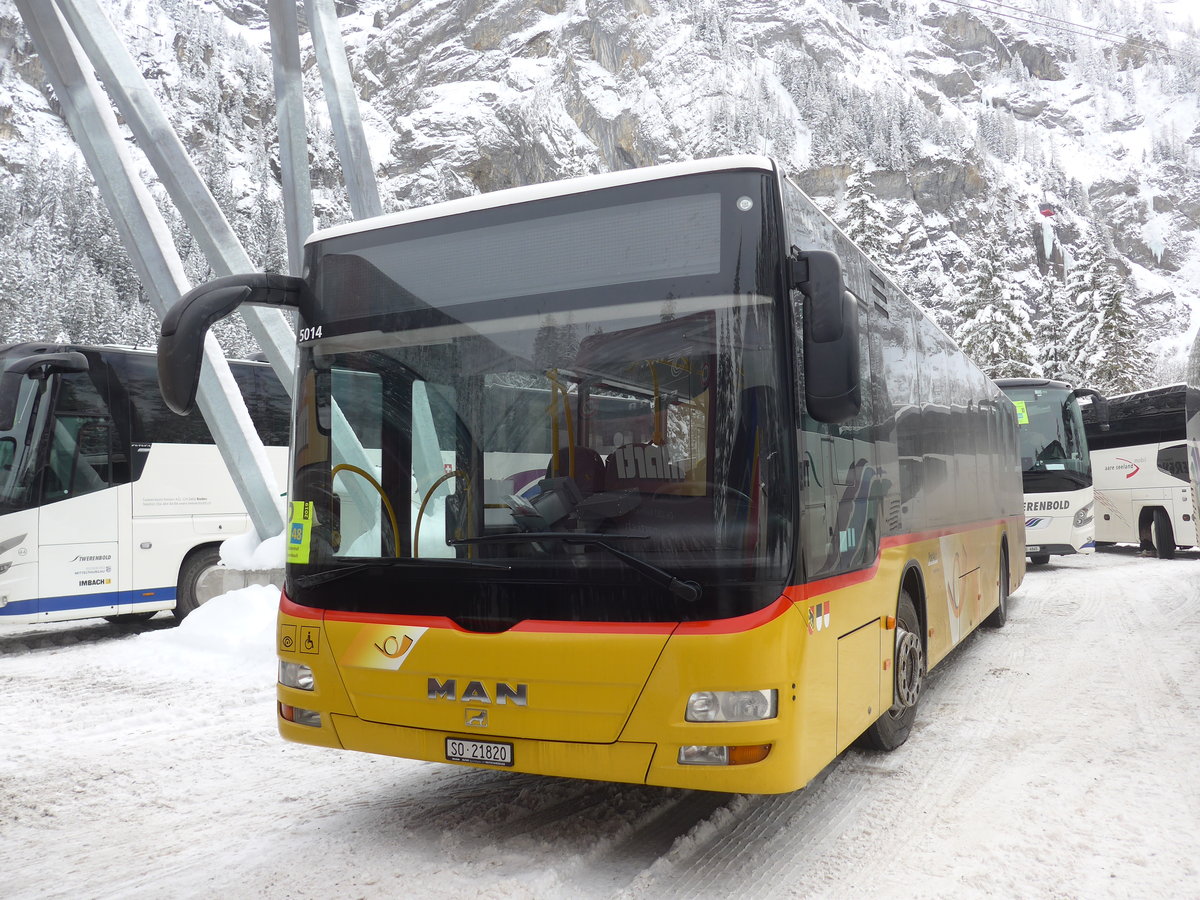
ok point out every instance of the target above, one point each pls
(79, 521)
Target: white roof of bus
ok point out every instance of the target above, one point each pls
(542, 191)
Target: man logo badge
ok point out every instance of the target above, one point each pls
(477, 718)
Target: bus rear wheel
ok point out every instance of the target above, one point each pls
(891, 729)
(1162, 534)
(1000, 614)
(199, 580)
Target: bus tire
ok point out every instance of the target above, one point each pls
(1039, 559)
(891, 729)
(1163, 535)
(191, 594)
(1000, 614)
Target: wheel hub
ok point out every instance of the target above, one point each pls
(213, 582)
(910, 668)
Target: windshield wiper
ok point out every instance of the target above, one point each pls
(688, 591)
(328, 575)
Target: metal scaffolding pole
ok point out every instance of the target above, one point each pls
(343, 109)
(293, 131)
(158, 140)
(147, 238)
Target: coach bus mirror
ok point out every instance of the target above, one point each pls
(1099, 404)
(181, 340)
(36, 365)
(817, 274)
(832, 391)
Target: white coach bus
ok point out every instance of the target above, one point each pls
(110, 504)
(1056, 469)
(1144, 490)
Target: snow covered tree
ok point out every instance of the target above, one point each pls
(1052, 309)
(863, 218)
(1107, 345)
(995, 328)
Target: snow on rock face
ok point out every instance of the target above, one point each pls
(964, 118)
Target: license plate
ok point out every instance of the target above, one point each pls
(487, 753)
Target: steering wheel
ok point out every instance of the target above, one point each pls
(387, 504)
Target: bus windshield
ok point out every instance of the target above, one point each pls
(619, 428)
(1054, 452)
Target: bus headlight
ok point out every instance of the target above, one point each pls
(1084, 516)
(294, 675)
(732, 706)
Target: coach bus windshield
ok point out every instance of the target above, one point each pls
(567, 409)
(1054, 451)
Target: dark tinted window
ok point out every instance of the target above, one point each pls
(270, 406)
(1174, 462)
(135, 394)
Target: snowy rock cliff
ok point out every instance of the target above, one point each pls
(950, 139)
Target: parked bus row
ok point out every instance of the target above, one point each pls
(664, 483)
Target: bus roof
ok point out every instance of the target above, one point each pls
(1165, 401)
(510, 196)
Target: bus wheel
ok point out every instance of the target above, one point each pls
(199, 580)
(1163, 534)
(1039, 559)
(1000, 614)
(891, 729)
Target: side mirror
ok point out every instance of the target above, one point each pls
(181, 340)
(1099, 403)
(832, 389)
(36, 365)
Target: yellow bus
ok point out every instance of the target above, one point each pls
(769, 493)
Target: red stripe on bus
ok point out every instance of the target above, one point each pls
(792, 594)
(290, 608)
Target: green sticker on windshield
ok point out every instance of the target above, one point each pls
(1022, 412)
(299, 532)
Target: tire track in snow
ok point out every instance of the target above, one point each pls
(770, 845)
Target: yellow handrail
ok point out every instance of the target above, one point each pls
(387, 504)
(457, 473)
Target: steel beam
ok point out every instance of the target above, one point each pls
(158, 140)
(293, 132)
(145, 234)
(342, 99)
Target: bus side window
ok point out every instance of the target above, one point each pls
(266, 400)
(139, 406)
(842, 491)
(1173, 461)
(82, 449)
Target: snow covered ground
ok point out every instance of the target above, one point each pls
(1054, 758)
